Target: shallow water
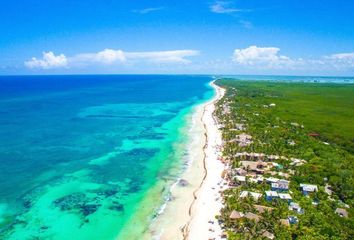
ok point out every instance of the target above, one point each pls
(80, 154)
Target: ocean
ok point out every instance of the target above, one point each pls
(90, 156)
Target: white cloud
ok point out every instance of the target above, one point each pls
(176, 56)
(107, 56)
(342, 56)
(268, 57)
(49, 60)
(223, 7)
(342, 59)
(110, 57)
(148, 10)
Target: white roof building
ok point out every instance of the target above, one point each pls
(255, 195)
(240, 178)
(295, 207)
(271, 194)
(272, 179)
(285, 196)
(308, 187)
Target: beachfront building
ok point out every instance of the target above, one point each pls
(243, 139)
(240, 180)
(285, 196)
(240, 172)
(296, 207)
(256, 167)
(272, 180)
(308, 188)
(238, 216)
(293, 219)
(235, 215)
(280, 186)
(250, 156)
(252, 216)
(342, 212)
(254, 195)
(262, 209)
(270, 195)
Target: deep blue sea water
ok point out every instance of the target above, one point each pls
(79, 153)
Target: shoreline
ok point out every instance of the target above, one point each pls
(208, 201)
(184, 215)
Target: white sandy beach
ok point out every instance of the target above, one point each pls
(191, 212)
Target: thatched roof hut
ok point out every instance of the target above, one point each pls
(236, 215)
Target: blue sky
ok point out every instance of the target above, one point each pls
(295, 37)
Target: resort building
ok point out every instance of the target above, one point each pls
(240, 172)
(254, 195)
(280, 186)
(256, 167)
(296, 207)
(262, 209)
(235, 215)
(272, 180)
(342, 212)
(240, 180)
(250, 156)
(293, 219)
(285, 196)
(270, 195)
(308, 188)
(243, 139)
(252, 216)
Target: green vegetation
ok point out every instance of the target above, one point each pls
(324, 108)
(313, 122)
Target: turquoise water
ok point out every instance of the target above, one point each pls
(88, 157)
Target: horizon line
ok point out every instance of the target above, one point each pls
(166, 74)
